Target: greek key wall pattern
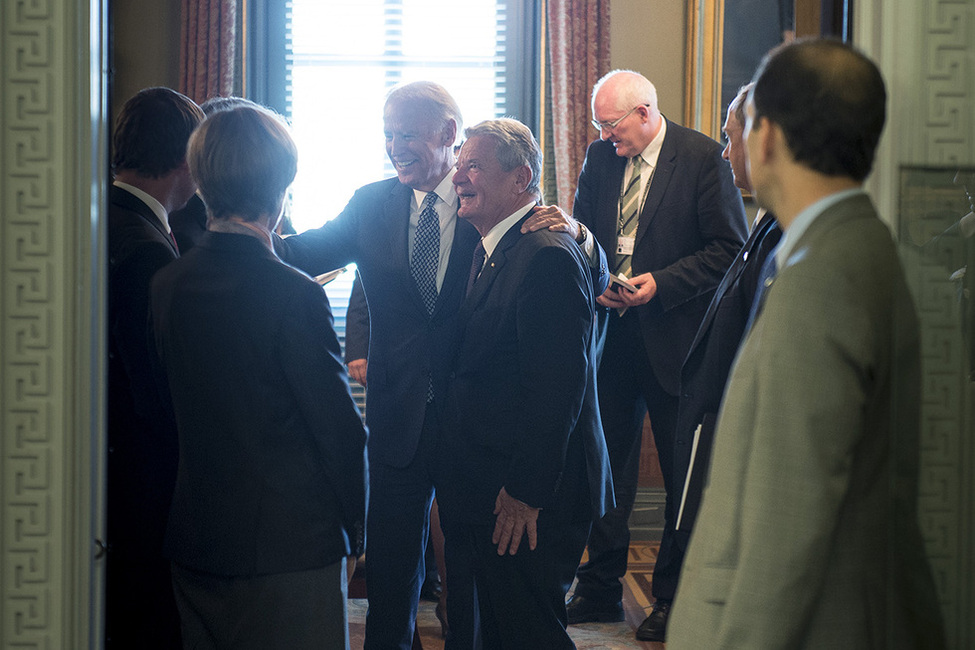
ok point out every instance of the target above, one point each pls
(44, 532)
(946, 91)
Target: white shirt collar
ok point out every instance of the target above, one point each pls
(804, 219)
(445, 190)
(154, 205)
(652, 152)
(491, 240)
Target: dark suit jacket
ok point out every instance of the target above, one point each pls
(705, 372)
(357, 323)
(692, 224)
(142, 451)
(407, 346)
(521, 409)
(272, 450)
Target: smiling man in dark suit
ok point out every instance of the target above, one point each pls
(525, 463)
(659, 197)
(413, 256)
(151, 181)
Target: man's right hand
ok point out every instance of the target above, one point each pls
(357, 370)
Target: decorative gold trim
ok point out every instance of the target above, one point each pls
(705, 42)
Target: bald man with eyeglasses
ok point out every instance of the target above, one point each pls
(663, 204)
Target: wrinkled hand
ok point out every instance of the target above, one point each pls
(553, 218)
(515, 518)
(357, 370)
(611, 298)
(646, 290)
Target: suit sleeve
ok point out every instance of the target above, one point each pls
(131, 281)
(584, 205)
(357, 323)
(721, 227)
(333, 245)
(554, 324)
(312, 363)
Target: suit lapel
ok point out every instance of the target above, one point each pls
(612, 186)
(662, 174)
(731, 277)
(493, 267)
(131, 202)
(458, 267)
(397, 207)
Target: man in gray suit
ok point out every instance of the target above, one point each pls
(808, 535)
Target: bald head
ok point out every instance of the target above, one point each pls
(624, 104)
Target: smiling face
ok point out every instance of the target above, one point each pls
(420, 148)
(488, 194)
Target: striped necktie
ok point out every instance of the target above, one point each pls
(629, 215)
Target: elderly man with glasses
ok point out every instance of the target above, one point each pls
(664, 206)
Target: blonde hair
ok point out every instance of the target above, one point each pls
(243, 159)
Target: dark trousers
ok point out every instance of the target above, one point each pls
(140, 608)
(521, 598)
(300, 609)
(628, 390)
(397, 528)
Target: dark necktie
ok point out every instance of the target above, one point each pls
(172, 238)
(426, 252)
(476, 265)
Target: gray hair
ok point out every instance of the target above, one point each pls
(433, 97)
(737, 105)
(516, 146)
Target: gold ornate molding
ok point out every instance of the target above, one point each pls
(702, 88)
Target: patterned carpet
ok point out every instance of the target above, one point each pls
(591, 636)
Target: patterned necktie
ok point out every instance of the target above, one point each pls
(629, 215)
(476, 265)
(426, 252)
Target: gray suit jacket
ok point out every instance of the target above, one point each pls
(808, 533)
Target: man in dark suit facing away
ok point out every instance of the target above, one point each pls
(270, 495)
(659, 197)
(151, 181)
(708, 364)
(413, 256)
(524, 460)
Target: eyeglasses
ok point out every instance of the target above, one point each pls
(606, 126)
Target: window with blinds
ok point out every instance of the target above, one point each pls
(344, 57)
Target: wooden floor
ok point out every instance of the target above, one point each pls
(591, 636)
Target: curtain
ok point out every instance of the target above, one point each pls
(578, 55)
(207, 48)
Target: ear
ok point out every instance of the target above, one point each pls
(768, 135)
(450, 133)
(523, 176)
